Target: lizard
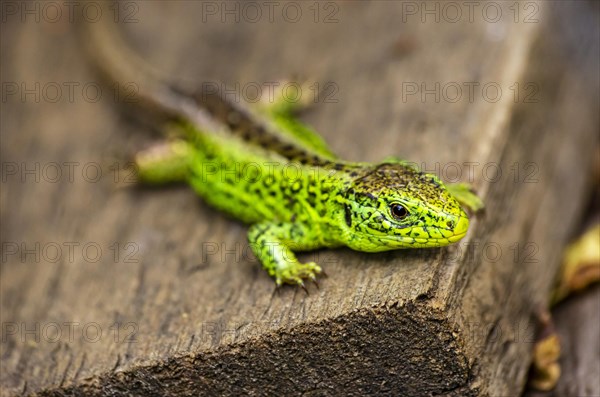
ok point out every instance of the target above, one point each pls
(264, 167)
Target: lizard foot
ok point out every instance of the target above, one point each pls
(297, 273)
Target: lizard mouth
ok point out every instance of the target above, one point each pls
(460, 230)
(411, 242)
(457, 237)
(457, 233)
(440, 238)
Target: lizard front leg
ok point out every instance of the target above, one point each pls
(272, 243)
(463, 193)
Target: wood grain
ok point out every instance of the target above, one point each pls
(190, 310)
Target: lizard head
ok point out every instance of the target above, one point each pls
(395, 206)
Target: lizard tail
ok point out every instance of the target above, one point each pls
(117, 63)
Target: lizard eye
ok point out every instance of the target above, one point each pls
(398, 211)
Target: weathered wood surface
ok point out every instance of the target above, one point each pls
(439, 321)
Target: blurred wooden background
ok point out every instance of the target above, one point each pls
(108, 290)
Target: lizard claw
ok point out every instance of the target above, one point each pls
(276, 291)
(313, 278)
(301, 283)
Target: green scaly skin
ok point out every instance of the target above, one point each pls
(280, 177)
(265, 168)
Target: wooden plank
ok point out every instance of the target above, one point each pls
(185, 307)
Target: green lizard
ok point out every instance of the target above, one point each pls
(267, 169)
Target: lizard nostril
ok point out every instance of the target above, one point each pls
(450, 224)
